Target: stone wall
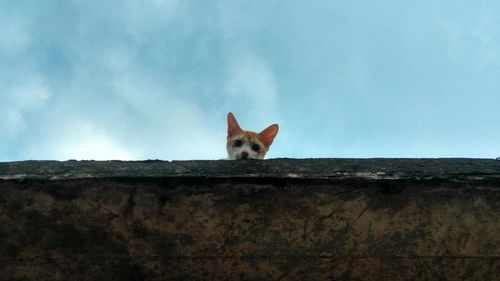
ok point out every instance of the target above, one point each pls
(280, 219)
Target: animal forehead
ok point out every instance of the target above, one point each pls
(248, 135)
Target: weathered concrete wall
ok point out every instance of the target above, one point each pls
(284, 219)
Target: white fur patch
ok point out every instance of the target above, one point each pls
(235, 153)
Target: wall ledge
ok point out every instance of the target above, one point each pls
(278, 219)
(320, 168)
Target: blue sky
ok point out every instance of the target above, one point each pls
(155, 79)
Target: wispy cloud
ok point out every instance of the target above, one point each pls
(80, 140)
(98, 97)
(19, 101)
(252, 86)
(155, 78)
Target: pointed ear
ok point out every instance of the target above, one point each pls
(232, 125)
(267, 136)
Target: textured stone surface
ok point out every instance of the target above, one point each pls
(285, 219)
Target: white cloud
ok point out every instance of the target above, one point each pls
(113, 87)
(32, 94)
(110, 104)
(250, 83)
(168, 126)
(20, 100)
(81, 140)
(12, 122)
(252, 86)
(252, 78)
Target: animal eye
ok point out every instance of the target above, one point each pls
(238, 143)
(256, 147)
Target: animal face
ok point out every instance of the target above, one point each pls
(243, 144)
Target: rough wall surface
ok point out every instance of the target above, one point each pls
(283, 219)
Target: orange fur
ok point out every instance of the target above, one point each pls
(263, 139)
